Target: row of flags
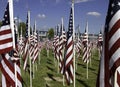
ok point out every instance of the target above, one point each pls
(9, 64)
(12, 49)
(64, 45)
(109, 72)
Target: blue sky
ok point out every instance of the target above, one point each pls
(48, 13)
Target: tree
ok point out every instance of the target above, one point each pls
(22, 26)
(0, 23)
(50, 33)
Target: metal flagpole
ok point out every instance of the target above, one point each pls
(58, 47)
(12, 28)
(87, 47)
(63, 52)
(28, 47)
(73, 39)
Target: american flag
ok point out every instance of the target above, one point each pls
(62, 41)
(6, 41)
(25, 55)
(6, 64)
(110, 59)
(100, 42)
(85, 43)
(36, 51)
(69, 51)
(56, 43)
(78, 45)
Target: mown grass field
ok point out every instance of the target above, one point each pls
(47, 72)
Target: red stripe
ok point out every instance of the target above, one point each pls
(106, 62)
(8, 31)
(114, 29)
(115, 46)
(5, 50)
(6, 75)
(118, 78)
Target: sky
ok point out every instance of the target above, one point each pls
(48, 13)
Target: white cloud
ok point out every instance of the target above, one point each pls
(41, 16)
(16, 0)
(94, 14)
(80, 1)
(57, 1)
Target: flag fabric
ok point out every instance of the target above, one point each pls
(25, 55)
(69, 51)
(36, 51)
(110, 59)
(56, 43)
(78, 46)
(85, 57)
(6, 41)
(6, 45)
(62, 42)
(100, 42)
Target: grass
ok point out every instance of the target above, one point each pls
(46, 72)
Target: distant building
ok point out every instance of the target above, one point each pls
(42, 34)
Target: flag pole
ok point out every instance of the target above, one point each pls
(58, 48)
(28, 47)
(87, 47)
(63, 52)
(12, 28)
(74, 40)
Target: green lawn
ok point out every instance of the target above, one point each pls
(47, 73)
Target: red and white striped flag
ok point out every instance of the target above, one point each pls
(85, 57)
(100, 42)
(26, 46)
(110, 59)
(6, 39)
(69, 51)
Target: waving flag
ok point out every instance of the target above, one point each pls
(6, 41)
(69, 51)
(25, 55)
(110, 59)
(85, 43)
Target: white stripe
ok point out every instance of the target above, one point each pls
(69, 59)
(114, 38)
(3, 81)
(18, 69)
(5, 36)
(5, 27)
(25, 63)
(8, 71)
(114, 19)
(114, 58)
(3, 46)
(67, 76)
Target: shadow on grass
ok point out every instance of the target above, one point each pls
(49, 62)
(83, 83)
(51, 76)
(84, 66)
(77, 74)
(96, 59)
(50, 68)
(91, 69)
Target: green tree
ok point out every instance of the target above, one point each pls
(0, 23)
(50, 33)
(22, 26)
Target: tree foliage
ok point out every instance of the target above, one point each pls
(50, 33)
(0, 23)
(22, 26)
